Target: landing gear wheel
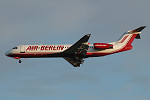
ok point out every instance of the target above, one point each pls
(20, 61)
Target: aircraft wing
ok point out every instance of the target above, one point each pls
(77, 51)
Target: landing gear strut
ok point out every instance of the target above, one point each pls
(20, 61)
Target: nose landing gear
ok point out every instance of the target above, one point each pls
(18, 58)
(20, 61)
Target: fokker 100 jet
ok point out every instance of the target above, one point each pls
(75, 53)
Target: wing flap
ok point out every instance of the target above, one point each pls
(74, 61)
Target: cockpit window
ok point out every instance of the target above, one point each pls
(15, 48)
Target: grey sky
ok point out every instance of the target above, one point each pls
(123, 76)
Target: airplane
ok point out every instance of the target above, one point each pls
(75, 53)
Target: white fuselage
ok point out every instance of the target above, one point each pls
(35, 51)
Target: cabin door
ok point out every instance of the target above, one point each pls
(22, 49)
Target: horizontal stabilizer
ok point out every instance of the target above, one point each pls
(139, 29)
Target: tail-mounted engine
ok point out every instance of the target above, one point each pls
(103, 46)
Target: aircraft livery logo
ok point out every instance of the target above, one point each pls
(48, 47)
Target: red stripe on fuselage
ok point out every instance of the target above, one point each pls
(35, 55)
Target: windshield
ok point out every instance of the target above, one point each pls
(15, 48)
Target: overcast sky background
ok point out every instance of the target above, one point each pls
(122, 76)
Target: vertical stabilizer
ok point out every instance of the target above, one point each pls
(128, 37)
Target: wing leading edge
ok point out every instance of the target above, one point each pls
(77, 51)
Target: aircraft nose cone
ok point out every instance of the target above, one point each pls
(7, 53)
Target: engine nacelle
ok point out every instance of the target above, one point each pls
(102, 46)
